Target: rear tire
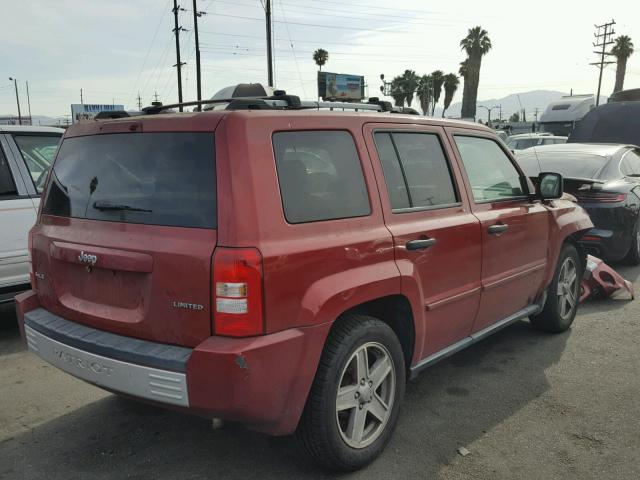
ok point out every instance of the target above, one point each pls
(563, 293)
(633, 257)
(355, 398)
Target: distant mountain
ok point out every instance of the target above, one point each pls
(530, 101)
(37, 120)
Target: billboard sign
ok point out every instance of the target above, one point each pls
(340, 86)
(86, 111)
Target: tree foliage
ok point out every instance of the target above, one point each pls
(321, 57)
(622, 50)
(451, 82)
(425, 91)
(476, 44)
(437, 79)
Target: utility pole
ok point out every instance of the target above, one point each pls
(500, 112)
(197, 14)
(15, 84)
(603, 37)
(267, 11)
(29, 104)
(176, 30)
(81, 100)
(139, 102)
(155, 95)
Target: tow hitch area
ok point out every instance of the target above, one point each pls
(600, 280)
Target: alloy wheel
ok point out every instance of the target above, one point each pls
(568, 286)
(366, 393)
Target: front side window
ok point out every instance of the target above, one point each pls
(320, 176)
(491, 174)
(416, 170)
(38, 152)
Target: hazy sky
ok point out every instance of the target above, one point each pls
(114, 49)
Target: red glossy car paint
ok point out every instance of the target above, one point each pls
(312, 272)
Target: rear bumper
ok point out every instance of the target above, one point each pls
(607, 244)
(260, 381)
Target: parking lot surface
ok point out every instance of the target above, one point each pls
(525, 405)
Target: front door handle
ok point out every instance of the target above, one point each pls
(498, 228)
(421, 244)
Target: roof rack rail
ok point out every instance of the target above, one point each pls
(281, 101)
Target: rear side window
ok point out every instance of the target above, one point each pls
(150, 178)
(491, 174)
(416, 170)
(630, 164)
(320, 176)
(7, 187)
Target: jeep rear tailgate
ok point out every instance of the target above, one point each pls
(127, 232)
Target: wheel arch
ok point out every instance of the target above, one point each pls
(394, 310)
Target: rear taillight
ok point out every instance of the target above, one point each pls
(237, 292)
(601, 197)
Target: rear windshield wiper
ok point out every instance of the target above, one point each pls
(118, 206)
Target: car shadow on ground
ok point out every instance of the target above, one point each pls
(9, 333)
(449, 405)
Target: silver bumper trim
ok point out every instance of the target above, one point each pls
(163, 386)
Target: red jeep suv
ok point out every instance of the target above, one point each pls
(290, 269)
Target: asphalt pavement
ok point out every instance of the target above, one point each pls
(525, 405)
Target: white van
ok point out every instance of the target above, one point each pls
(25, 156)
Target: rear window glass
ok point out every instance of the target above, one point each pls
(150, 178)
(320, 176)
(38, 152)
(567, 164)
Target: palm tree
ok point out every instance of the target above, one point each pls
(425, 93)
(437, 78)
(397, 92)
(451, 83)
(476, 44)
(409, 81)
(622, 50)
(464, 72)
(320, 56)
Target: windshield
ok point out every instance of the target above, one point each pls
(568, 164)
(38, 152)
(151, 178)
(522, 143)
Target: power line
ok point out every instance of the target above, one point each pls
(339, 27)
(376, 16)
(293, 49)
(315, 42)
(153, 39)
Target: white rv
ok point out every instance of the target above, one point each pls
(561, 116)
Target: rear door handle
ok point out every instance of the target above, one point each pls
(498, 228)
(420, 244)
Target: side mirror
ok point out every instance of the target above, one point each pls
(549, 186)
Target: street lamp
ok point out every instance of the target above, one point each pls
(15, 84)
(488, 109)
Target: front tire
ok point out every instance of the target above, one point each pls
(563, 293)
(355, 398)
